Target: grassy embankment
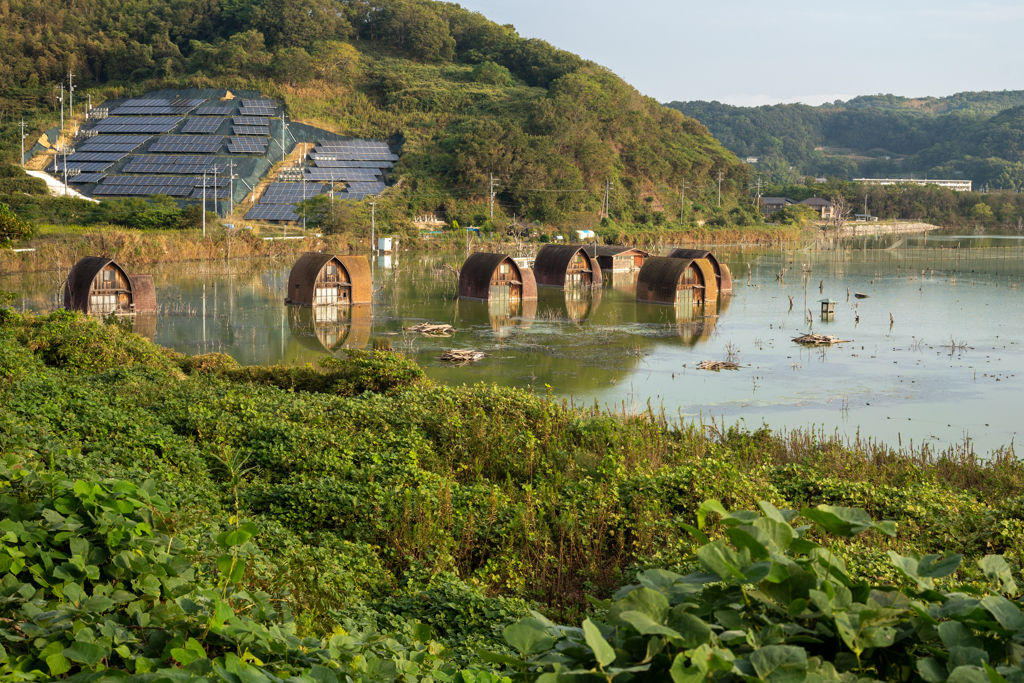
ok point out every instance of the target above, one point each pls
(379, 493)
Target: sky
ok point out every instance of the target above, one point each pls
(752, 53)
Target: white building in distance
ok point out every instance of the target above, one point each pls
(958, 185)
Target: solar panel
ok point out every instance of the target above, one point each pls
(187, 143)
(353, 195)
(363, 163)
(353, 156)
(87, 178)
(259, 102)
(143, 190)
(95, 156)
(113, 143)
(215, 111)
(59, 167)
(251, 130)
(247, 145)
(171, 160)
(150, 111)
(251, 121)
(272, 212)
(189, 182)
(353, 143)
(258, 111)
(162, 102)
(357, 174)
(202, 125)
(365, 187)
(137, 124)
(289, 193)
(222, 193)
(175, 169)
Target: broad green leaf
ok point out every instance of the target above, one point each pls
(998, 573)
(771, 512)
(528, 636)
(1006, 613)
(697, 534)
(780, 533)
(936, 566)
(931, 670)
(58, 664)
(233, 537)
(846, 522)
(968, 674)
(967, 656)
(651, 602)
(720, 559)
(691, 629)
(85, 653)
(743, 539)
(645, 625)
(993, 675)
(706, 507)
(603, 652)
(684, 674)
(183, 656)
(780, 663)
(955, 634)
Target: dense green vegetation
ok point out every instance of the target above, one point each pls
(190, 516)
(464, 97)
(971, 135)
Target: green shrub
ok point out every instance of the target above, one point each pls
(26, 185)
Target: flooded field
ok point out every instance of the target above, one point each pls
(945, 367)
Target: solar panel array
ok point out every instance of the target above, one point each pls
(95, 156)
(171, 160)
(366, 163)
(247, 145)
(215, 110)
(258, 111)
(59, 166)
(121, 189)
(251, 130)
(113, 143)
(174, 169)
(154, 180)
(205, 124)
(187, 143)
(290, 193)
(272, 212)
(250, 121)
(87, 178)
(137, 124)
(347, 174)
(210, 192)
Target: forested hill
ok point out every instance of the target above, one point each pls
(979, 136)
(465, 97)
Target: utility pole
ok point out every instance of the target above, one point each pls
(719, 188)
(216, 208)
(23, 143)
(373, 228)
(71, 94)
(284, 127)
(61, 98)
(492, 197)
(90, 104)
(682, 200)
(303, 199)
(607, 189)
(204, 205)
(231, 186)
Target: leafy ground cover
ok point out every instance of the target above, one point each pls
(174, 518)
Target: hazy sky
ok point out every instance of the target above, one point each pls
(749, 53)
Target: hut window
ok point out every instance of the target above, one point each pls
(331, 268)
(108, 276)
(578, 258)
(503, 269)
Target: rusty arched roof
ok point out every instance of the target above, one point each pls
(553, 261)
(302, 278)
(721, 271)
(659, 278)
(79, 282)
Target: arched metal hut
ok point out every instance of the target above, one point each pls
(99, 286)
(495, 277)
(328, 280)
(665, 280)
(723, 275)
(560, 265)
(617, 259)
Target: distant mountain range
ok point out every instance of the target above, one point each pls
(974, 135)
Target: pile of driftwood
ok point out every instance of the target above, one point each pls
(432, 329)
(717, 365)
(820, 340)
(462, 356)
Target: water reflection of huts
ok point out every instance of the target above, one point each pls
(495, 277)
(723, 276)
(331, 328)
(99, 286)
(561, 265)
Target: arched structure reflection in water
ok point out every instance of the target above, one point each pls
(331, 328)
(502, 315)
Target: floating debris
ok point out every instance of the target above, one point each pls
(860, 295)
(820, 340)
(717, 365)
(432, 329)
(462, 356)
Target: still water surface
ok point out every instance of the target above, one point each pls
(897, 382)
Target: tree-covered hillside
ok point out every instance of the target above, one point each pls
(465, 97)
(979, 136)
